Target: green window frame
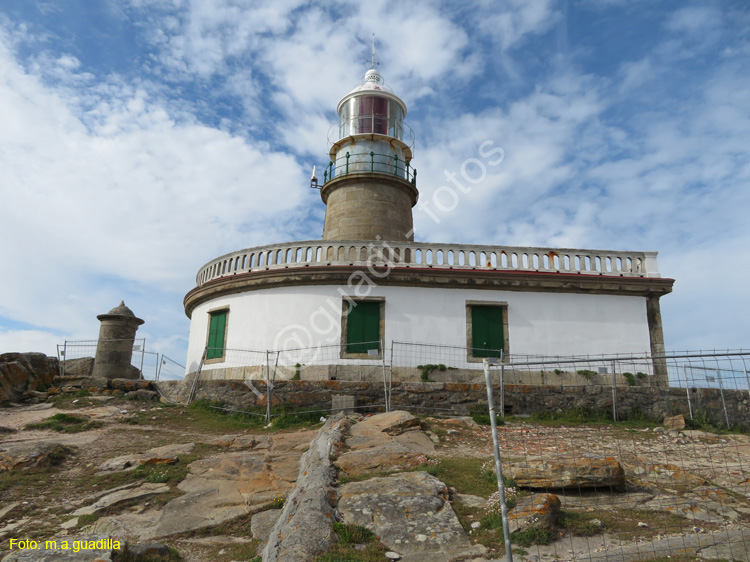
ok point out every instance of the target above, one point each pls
(217, 330)
(487, 331)
(363, 326)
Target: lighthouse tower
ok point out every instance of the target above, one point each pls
(369, 186)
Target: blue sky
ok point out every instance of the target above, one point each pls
(139, 139)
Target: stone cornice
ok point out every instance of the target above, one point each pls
(426, 277)
(380, 178)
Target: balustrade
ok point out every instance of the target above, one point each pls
(322, 253)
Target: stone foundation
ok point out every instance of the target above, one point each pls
(458, 399)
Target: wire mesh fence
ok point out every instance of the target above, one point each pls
(77, 356)
(157, 366)
(606, 458)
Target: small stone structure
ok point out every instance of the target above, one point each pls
(115, 346)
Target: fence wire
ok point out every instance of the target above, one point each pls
(77, 356)
(639, 450)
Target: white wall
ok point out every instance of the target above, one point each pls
(539, 323)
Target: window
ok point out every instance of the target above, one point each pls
(486, 330)
(362, 328)
(217, 333)
(373, 115)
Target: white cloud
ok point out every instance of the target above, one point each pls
(111, 187)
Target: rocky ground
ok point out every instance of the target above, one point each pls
(211, 486)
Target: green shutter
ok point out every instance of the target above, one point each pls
(487, 331)
(363, 326)
(216, 331)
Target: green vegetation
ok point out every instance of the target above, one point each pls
(277, 503)
(530, 537)
(353, 534)
(427, 369)
(630, 377)
(296, 376)
(373, 552)
(209, 415)
(65, 423)
(481, 415)
(703, 420)
(126, 556)
(588, 416)
(356, 544)
(581, 524)
(587, 373)
(467, 475)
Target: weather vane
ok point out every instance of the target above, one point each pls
(372, 58)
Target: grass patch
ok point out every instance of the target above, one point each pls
(704, 420)
(425, 370)
(65, 423)
(87, 519)
(126, 556)
(481, 415)
(588, 416)
(236, 527)
(466, 475)
(373, 552)
(531, 537)
(581, 524)
(210, 416)
(353, 534)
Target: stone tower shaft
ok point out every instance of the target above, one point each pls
(370, 186)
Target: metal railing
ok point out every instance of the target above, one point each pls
(370, 162)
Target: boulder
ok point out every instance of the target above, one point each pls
(234, 483)
(14, 456)
(648, 474)
(600, 472)
(262, 523)
(168, 454)
(674, 422)
(148, 551)
(81, 367)
(25, 372)
(411, 515)
(538, 511)
(390, 441)
(383, 458)
(129, 385)
(304, 529)
(142, 491)
(391, 423)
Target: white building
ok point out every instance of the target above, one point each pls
(367, 283)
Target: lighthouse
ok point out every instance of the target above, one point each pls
(342, 306)
(369, 185)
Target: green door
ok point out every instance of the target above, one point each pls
(363, 326)
(216, 331)
(487, 331)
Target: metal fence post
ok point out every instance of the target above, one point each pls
(268, 389)
(723, 400)
(687, 390)
(502, 391)
(385, 380)
(614, 393)
(498, 463)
